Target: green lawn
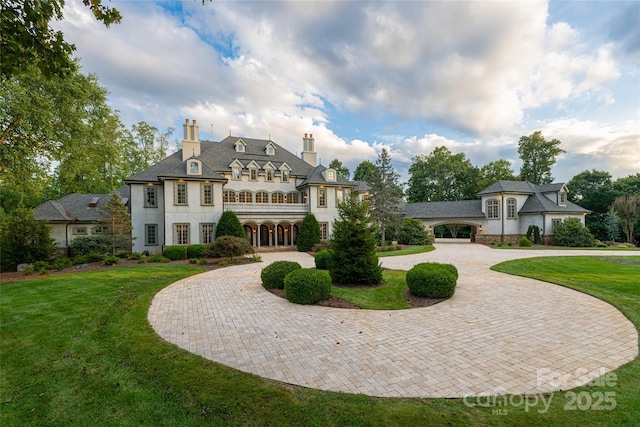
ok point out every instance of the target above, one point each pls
(387, 297)
(407, 251)
(77, 349)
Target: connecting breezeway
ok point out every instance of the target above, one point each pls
(498, 334)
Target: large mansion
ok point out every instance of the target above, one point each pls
(179, 200)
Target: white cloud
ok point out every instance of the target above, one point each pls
(476, 70)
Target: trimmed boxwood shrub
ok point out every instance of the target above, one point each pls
(432, 280)
(323, 258)
(307, 286)
(524, 242)
(273, 274)
(195, 251)
(174, 253)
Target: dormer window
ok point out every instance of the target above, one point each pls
(240, 146)
(270, 149)
(285, 176)
(330, 175)
(194, 167)
(562, 197)
(269, 175)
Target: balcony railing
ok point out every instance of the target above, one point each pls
(272, 208)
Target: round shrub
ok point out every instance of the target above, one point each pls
(195, 251)
(307, 286)
(323, 258)
(174, 253)
(432, 280)
(62, 263)
(524, 242)
(273, 274)
(228, 246)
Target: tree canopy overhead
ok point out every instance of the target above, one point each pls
(341, 170)
(27, 37)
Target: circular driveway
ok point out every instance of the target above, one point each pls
(498, 334)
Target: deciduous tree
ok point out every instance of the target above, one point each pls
(365, 171)
(23, 239)
(442, 176)
(627, 210)
(538, 157)
(341, 170)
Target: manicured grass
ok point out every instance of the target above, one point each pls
(387, 297)
(619, 285)
(407, 251)
(78, 349)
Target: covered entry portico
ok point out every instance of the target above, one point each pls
(269, 233)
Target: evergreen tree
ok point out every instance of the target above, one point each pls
(309, 233)
(229, 225)
(23, 239)
(387, 194)
(354, 260)
(364, 171)
(116, 223)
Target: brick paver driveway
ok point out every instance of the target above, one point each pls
(498, 334)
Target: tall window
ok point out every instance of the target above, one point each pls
(150, 234)
(331, 176)
(206, 233)
(207, 194)
(323, 230)
(339, 195)
(150, 199)
(229, 196)
(292, 197)
(285, 176)
(277, 197)
(245, 197)
(181, 234)
(269, 175)
(262, 197)
(511, 208)
(555, 223)
(180, 195)
(493, 209)
(253, 174)
(322, 197)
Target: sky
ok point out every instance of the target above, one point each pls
(410, 76)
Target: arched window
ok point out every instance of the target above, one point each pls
(277, 197)
(245, 197)
(512, 208)
(262, 197)
(493, 209)
(229, 196)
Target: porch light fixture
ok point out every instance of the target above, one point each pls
(430, 229)
(480, 228)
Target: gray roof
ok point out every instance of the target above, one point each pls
(315, 177)
(504, 186)
(538, 203)
(457, 209)
(76, 207)
(360, 186)
(216, 158)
